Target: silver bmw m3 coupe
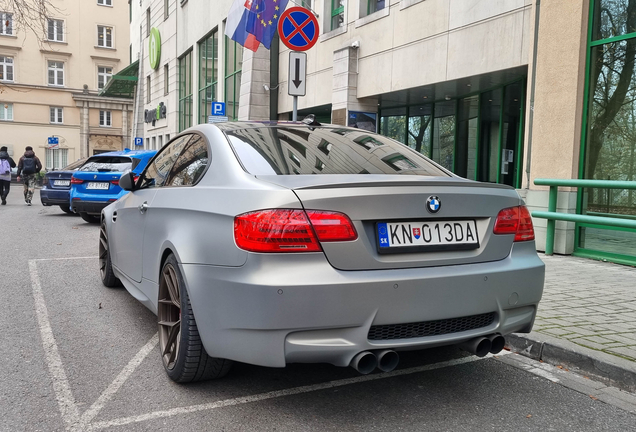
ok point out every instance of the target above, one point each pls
(276, 243)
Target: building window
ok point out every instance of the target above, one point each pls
(104, 37)
(56, 73)
(166, 80)
(185, 91)
(608, 142)
(56, 158)
(57, 115)
(6, 68)
(375, 5)
(166, 9)
(208, 74)
(105, 2)
(148, 22)
(6, 111)
(337, 13)
(103, 76)
(233, 66)
(6, 26)
(148, 90)
(55, 30)
(306, 4)
(105, 118)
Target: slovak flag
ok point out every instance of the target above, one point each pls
(238, 19)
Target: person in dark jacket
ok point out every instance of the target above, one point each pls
(29, 166)
(5, 177)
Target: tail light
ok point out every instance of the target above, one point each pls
(115, 182)
(75, 180)
(290, 230)
(517, 221)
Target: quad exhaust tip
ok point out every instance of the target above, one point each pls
(364, 362)
(387, 360)
(481, 346)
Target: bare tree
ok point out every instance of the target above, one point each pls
(29, 15)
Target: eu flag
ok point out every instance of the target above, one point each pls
(263, 19)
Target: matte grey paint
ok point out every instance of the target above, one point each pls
(274, 309)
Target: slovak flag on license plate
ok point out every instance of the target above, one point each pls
(417, 233)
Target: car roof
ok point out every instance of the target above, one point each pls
(132, 153)
(235, 125)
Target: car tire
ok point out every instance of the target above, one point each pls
(182, 352)
(89, 217)
(66, 209)
(105, 264)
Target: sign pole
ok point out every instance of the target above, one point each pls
(295, 112)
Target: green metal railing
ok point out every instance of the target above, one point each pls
(552, 215)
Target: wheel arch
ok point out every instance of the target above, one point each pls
(166, 249)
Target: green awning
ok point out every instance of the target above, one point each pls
(123, 83)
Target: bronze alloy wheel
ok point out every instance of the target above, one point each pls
(169, 315)
(105, 265)
(184, 356)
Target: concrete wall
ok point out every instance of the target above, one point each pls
(557, 112)
(167, 27)
(414, 43)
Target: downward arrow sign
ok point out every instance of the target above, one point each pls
(297, 81)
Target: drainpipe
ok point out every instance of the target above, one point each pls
(273, 78)
(537, 10)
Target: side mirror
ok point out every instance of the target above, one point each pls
(127, 181)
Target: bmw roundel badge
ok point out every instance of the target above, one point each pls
(433, 204)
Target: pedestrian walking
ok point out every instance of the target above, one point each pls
(29, 165)
(6, 163)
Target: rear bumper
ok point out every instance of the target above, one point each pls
(50, 197)
(284, 309)
(90, 207)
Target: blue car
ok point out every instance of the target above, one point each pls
(96, 183)
(56, 186)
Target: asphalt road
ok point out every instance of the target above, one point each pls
(78, 356)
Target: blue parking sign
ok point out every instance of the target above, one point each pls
(139, 141)
(218, 108)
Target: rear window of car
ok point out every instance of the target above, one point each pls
(73, 166)
(285, 150)
(108, 164)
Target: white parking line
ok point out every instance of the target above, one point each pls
(68, 406)
(64, 259)
(90, 414)
(61, 386)
(281, 393)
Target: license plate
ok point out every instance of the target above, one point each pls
(98, 185)
(413, 236)
(61, 182)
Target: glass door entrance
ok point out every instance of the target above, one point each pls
(478, 137)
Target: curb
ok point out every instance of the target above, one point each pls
(608, 369)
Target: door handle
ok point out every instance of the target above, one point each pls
(143, 207)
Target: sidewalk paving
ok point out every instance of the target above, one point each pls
(586, 320)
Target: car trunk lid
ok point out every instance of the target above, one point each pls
(106, 183)
(370, 200)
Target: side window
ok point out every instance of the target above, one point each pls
(159, 168)
(190, 166)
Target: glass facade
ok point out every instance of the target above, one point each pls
(609, 131)
(479, 136)
(233, 66)
(208, 74)
(185, 91)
